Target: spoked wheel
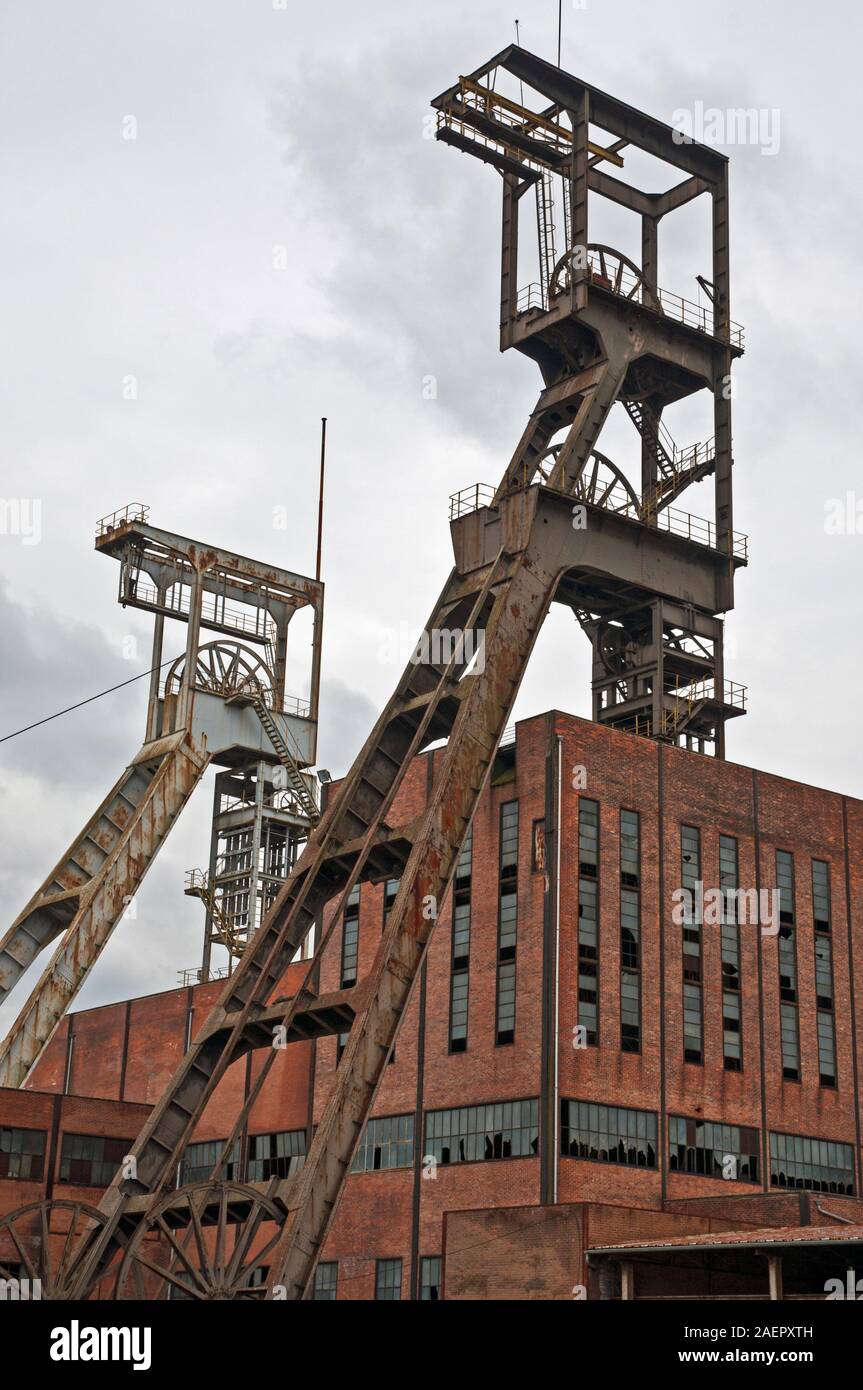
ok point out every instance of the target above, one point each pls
(600, 482)
(610, 270)
(45, 1243)
(207, 1241)
(225, 668)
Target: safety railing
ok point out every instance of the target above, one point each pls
(732, 693)
(530, 297)
(617, 500)
(470, 499)
(214, 609)
(195, 975)
(133, 511)
(292, 704)
(630, 286)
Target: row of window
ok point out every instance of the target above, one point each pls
(693, 982)
(86, 1160)
(613, 1134)
(91, 1160)
(388, 1280)
(470, 1134)
(609, 1134)
(475, 1134)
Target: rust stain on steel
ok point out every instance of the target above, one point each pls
(95, 920)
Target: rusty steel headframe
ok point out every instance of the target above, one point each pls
(642, 584)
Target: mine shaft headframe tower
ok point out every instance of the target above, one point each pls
(223, 702)
(602, 330)
(231, 693)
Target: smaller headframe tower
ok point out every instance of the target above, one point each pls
(603, 332)
(264, 802)
(222, 701)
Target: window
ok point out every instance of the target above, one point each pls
(824, 1001)
(385, 1143)
(391, 889)
(588, 918)
(91, 1160)
(789, 1023)
(507, 930)
(200, 1159)
(430, 1278)
(712, 1150)
(818, 1165)
(388, 1281)
(630, 931)
(693, 1010)
(608, 1134)
(277, 1155)
(350, 938)
(460, 951)
(326, 1282)
(22, 1154)
(732, 1034)
(350, 954)
(483, 1133)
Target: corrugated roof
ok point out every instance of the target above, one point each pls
(739, 1240)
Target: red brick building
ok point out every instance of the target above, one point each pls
(587, 1060)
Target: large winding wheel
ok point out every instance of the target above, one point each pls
(45, 1244)
(609, 270)
(225, 668)
(209, 1240)
(601, 483)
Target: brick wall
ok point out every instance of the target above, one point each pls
(126, 1052)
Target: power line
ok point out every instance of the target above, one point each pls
(88, 701)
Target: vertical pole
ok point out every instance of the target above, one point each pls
(658, 702)
(650, 278)
(280, 673)
(508, 258)
(627, 1280)
(193, 636)
(321, 496)
(719, 682)
(212, 870)
(580, 117)
(774, 1275)
(153, 730)
(722, 382)
(255, 881)
(721, 260)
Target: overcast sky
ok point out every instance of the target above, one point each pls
(279, 241)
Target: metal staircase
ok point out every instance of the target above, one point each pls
(675, 468)
(198, 885)
(286, 758)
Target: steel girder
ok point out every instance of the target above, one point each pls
(168, 773)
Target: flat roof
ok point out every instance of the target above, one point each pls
(739, 1240)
